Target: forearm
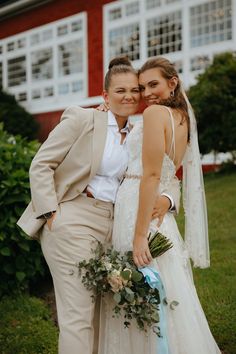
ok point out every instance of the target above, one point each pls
(147, 197)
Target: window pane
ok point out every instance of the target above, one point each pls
(36, 94)
(164, 34)
(150, 4)
(64, 89)
(48, 92)
(132, 8)
(10, 46)
(70, 58)
(77, 86)
(125, 40)
(115, 14)
(211, 22)
(76, 26)
(200, 63)
(22, 97)
(16, 71)
(62, 30)
(42, 68)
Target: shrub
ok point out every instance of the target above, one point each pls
(21, 260)
(214, 100)
(26, 327)
(16, 119)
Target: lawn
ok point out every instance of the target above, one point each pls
(217, 285)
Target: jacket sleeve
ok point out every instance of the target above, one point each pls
(51, 153)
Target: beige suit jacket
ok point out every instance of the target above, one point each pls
(65, 163)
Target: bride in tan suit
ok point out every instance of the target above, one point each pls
(74, 178)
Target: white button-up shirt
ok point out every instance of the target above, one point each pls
(105, 184)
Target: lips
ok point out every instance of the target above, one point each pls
(152, 101)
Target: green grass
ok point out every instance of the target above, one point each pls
(216, 285)
(26, 327)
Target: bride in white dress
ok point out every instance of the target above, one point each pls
(157, 145)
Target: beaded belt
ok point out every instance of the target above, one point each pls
(127, 175)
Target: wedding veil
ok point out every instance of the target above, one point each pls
(196, 225)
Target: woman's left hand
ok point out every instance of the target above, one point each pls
(104, 107)
(160, 209)
(141, 253)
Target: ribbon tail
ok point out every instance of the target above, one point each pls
(154, 281)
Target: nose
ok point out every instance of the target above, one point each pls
(128, 96)
(146, 92)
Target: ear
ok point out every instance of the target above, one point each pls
(173, 82)
(105, 96)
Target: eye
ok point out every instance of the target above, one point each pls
(153, 84)
(141, 88)
(136, 90)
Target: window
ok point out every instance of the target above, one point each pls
(70, 58)
(200, 63)
(178, 66)
(132, 8)
(47, 64)
(16, 71)
(211, 22)
(164, 34)
(125, 40)
(41, 65)
(22, 96)
(150, 4)
(139, 30)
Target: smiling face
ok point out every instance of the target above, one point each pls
(123, 94)
(154, 87)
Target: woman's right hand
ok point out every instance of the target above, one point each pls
(50, 221)
(104, 107)
(141, 253)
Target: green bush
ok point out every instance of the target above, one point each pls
(16, 119)
(214, 100)
(21, 260)
(26, 327)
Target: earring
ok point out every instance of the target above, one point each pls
(172, 93)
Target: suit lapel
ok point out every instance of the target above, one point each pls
(99, 140)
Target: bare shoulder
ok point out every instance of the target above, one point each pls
(155, 111)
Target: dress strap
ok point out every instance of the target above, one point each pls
(171, 153)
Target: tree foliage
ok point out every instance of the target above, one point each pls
(21, 260)
(214, 101)
(16, 119)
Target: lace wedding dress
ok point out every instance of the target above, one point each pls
(187, 328)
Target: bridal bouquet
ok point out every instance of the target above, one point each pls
(115, 273)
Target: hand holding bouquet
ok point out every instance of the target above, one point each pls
(112, 272)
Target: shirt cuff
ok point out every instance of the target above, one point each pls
(172, 203)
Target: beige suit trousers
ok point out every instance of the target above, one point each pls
(77, 227)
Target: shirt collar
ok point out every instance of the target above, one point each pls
(112, 122)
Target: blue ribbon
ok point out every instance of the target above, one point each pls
(154, 281)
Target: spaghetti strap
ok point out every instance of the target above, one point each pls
(172, 145)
